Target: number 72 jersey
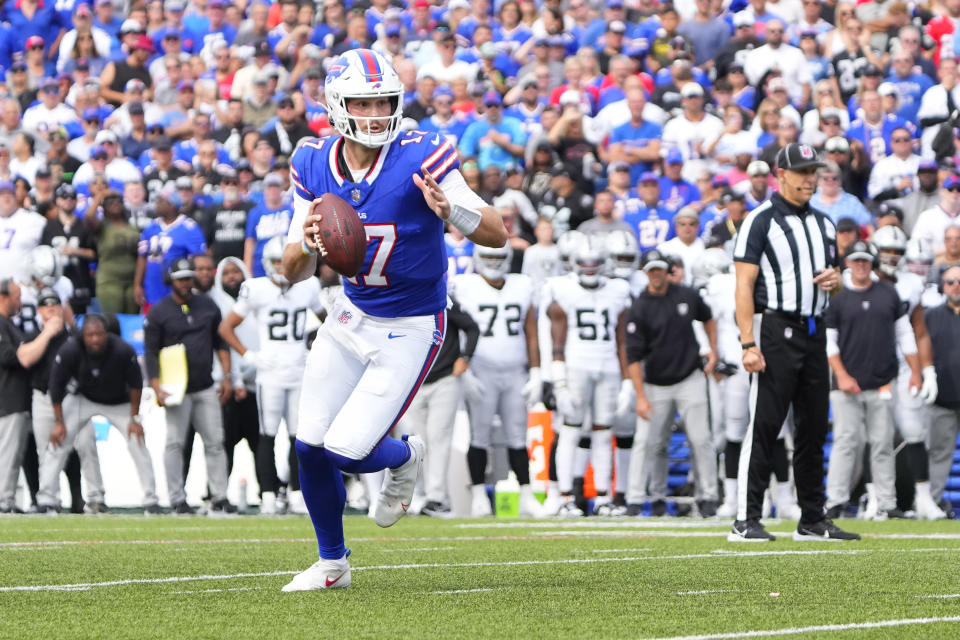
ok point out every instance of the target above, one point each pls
(500, 314)
(592, 315)
(281, 316)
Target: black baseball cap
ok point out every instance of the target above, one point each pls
(729, 195)
(181, 268)
(861, 250)
(796, 156)
(653, 259)
(162, 143)
(847, 224)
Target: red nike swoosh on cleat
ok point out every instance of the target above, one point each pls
(330, 582)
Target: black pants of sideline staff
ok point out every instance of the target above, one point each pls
(797, 372)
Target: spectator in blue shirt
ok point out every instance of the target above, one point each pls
(832, 200)
(169, 237)
(636, 142)
(105, 18)
(46, 22)
(267, 220)
(444, 121)
(911, 84)
(648, 215)
(675, 192)
(494, 140)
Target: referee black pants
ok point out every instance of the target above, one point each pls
(796, 373)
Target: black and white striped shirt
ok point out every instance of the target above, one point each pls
(791, 245)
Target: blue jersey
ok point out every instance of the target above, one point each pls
(161, 244)
(264, 224)
(459, 256)
(677, 194)
(404, 273)
(633, 136)
(876, 139)
(911, 90)
(653, 225)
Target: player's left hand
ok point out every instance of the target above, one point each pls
(711, 363)
(239, 393)
(929, 388)
(627, 398)
(434, 196)
(225, 391)
(533, 388)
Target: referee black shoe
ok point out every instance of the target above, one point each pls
(823, 531)
(749, 531)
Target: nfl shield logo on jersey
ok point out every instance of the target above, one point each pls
(345, 317)
(683, 308)
(355, 195)
(788, 333)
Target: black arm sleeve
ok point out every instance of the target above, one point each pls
(465, 323)
(218, 343)
(152, 341)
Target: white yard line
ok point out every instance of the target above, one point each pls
(617, 550)
(707, 591)
(945, 596)
(449, 565)
(462, 591)
(221, 590)
(816, 629)
(416, 549)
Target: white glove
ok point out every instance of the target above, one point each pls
(473, 389)
(533, 389)
(929, 389)
(626, 399)
(566, 404)
(253, 359)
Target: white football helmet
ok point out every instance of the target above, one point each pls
(890, 239)
(623, 252)
(273, 252)
(492, 263)
(567, 244)
(46, 265)
(919, 257)
(588, 261)
(363, 73)
(713, 261)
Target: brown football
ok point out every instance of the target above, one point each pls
(342, 236)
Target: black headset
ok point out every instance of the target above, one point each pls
(5, 286)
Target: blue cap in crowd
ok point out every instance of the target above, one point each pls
(951, 182)
(648, 176)
(674, 156)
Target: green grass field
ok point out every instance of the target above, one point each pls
(164, 577)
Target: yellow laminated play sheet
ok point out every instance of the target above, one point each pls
(173, 373)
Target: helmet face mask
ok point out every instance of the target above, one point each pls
(362, 74)
(492, 264)
(891, 241)
(46, 265)
(273, 253)
(624, 253)
(567, 245)
(588, 264)
(918, 257)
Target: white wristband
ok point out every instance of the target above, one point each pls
(465, 220)
(558, 369)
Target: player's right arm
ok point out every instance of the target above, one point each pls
(300, 254)
(228, 332)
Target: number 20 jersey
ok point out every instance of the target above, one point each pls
(404, 270)
(592, 316)
(500, 314)
(281, 317)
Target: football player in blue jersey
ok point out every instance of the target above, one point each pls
(383, 333)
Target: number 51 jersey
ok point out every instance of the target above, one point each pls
(403, 273)
(500, 314)
(592, 316)
(281, 316)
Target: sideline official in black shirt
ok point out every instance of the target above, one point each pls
(15, 396)
(191, 319)
(786, 259)
(663, 360)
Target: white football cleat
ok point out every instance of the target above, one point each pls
(397, 493)
(927, 509)
(530, 507)
(323, 574)
(268, 503)
(569, 509)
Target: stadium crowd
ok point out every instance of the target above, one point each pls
(136, 134)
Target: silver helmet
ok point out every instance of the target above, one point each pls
(891, 242)
(623, 253)
(273, 253)
(492, 263)
(567, 244)
(46, 265)
(588, 261)
(919, 257)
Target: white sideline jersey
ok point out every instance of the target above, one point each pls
(720, 296)
(910, 288)
(281, 316)
(592, 316)
(20, 232)
(500, 314)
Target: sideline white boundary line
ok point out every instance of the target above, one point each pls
(852, 626)
(719, 554)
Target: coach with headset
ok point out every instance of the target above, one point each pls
(786, 259)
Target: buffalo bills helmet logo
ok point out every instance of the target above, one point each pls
(437, 337)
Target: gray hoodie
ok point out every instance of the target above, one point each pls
(246, 331)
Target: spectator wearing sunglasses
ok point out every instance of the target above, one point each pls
(933, 222)
(895, 175)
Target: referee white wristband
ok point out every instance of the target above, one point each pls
(464, 219)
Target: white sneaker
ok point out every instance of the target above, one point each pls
(323, 574)
(727, 510)
(480, 504)
(551, 506)
(927, 509)
(297, 505)
(397, 492)
(569, 509)
(268, 503)
(530, 507)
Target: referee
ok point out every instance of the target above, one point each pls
(786, 265)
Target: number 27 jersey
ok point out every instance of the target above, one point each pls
(405, 266)
(281, 316)
(592, 316)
